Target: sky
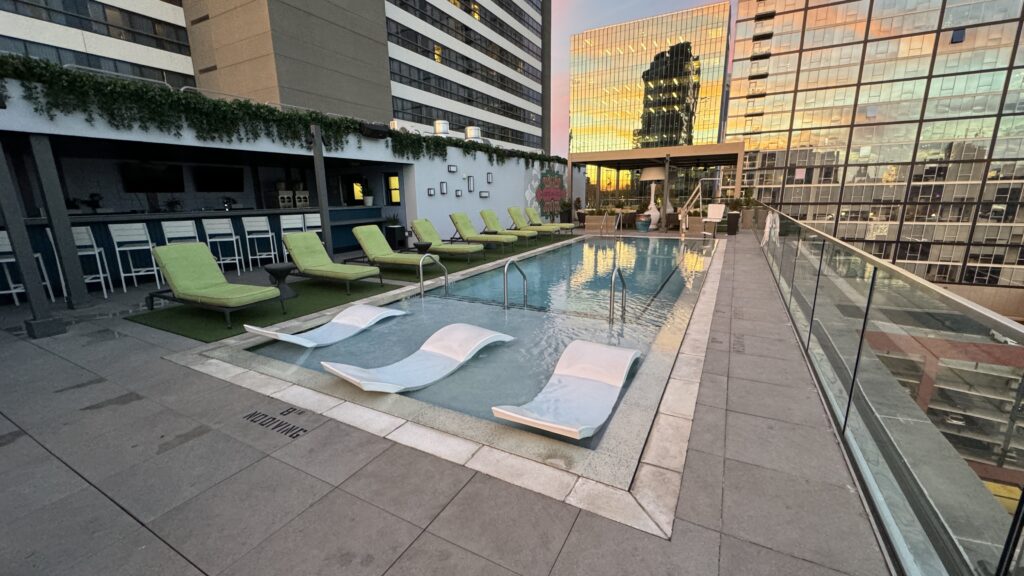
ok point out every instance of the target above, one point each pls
(570, 17)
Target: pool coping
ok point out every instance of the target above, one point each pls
(634, 480)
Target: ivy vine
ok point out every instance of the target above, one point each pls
(128, 104)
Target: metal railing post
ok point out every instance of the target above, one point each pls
(860, 346)
(443, 268)
(617, 272)
(814, 301)
(511, 262)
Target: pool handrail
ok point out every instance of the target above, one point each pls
(443, 268)
(513, 262)
(617, 272)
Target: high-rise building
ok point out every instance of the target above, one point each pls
(481, 64)
(895, 125)
(651, 82)
(140, 38)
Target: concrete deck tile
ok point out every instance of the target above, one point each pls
(153, 487)
(789, 404)
(716, 362)
(340, 534)
(824, 523)
(261, 383)
(688, 367)
(707, 433)
(657, 491)
(680, 398)
(368, 419)
(599, 547)
(612, 503)
(138, 554)
(218, 368)
(408, 483)
(785, 347)
(432, 556)
(73, 430)
(333, 452)
(740, 558)
(523, 472)
(441, 444)
(769, 370)
(700, 496)
(713, 390)
(811, 453)
(666, 445)
(518, 529)
(267, 424)
(220, 525)
(34, 484)
(309, 399)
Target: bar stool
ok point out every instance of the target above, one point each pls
(312, 222)
(7, 258)
(86, 246)
(128, 239)
(180, 231)
(291, 223)
(220, 231)
(258, 228)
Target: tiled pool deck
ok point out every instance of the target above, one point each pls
(115, 460)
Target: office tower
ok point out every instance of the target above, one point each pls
(140, 38)
(895, 125)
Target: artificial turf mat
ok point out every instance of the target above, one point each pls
(208, 325)
(456, 263)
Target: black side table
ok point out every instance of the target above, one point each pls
(279, 277)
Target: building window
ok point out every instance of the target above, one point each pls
(959, 35)
(394, 190)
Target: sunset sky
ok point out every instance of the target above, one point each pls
(572, 16)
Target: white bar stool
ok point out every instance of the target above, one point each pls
(312, 222)
(86, 246)
(7, 258)
(258, 228)
(128, 239)
(180, 231)
(219, 231)
(291, 223)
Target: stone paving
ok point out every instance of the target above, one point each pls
(114, 461)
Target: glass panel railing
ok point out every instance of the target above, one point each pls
(933, 424)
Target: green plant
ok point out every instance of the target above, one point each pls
(93, 201)
(128, 104)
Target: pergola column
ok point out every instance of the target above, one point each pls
(321, 188)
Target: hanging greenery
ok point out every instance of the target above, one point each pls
(128, 104)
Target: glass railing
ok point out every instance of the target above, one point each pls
(925, 389)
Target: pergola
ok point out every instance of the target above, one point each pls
(667, 157)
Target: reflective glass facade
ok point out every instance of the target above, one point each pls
(649, 83)
(897, 125)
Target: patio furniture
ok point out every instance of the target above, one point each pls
(493, 224)
(257, 229)
(7, 258)
(347, 323)
(465, 231)
(132, 239)
(180, 231)
(581, 393)
(291, 224)
(716, 213)
(312, 261)
(427, 234)
(196, 280)
(377, 249)
(443, 353)
(312, 222)
(521, 223)
(279, 277)
(86, 247)
(536, 220)
(220, 231)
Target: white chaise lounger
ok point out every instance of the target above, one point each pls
(581, 393)
(346, 324)
(443, 353)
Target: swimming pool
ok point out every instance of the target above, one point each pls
(568, 293)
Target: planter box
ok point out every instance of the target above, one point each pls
(695, 224)
(747, 219)
(565, 216)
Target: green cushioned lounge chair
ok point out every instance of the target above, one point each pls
(520, 222)
(494, 225)
(379, 252)
(536, 220)
(425, 232)
(464, 229)
(196, 280)
(312, 261)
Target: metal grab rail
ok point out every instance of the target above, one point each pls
(443, 267)
(512, 262)
(611, 297)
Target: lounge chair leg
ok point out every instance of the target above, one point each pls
(348, 287)
(149, 300)
(283, 311)
(381, 278)
(227, 318)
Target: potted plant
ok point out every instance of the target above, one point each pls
(643, 222)
(93, 201)
(367, 195)
(172, 205)
(580, 214)
(747, 211)
(565, 211)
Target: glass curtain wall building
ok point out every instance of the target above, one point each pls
(652, 82)
(896, 125)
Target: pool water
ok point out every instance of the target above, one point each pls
(567, 299)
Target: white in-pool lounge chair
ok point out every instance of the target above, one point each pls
(347, 323)
(580, 395)
(443, 353)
